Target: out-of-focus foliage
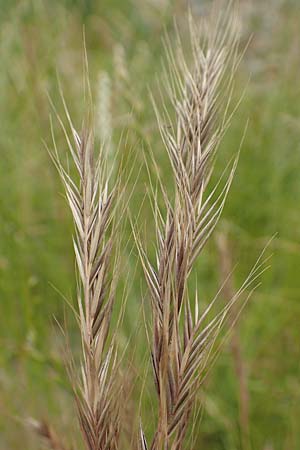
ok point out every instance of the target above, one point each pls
(41, 43)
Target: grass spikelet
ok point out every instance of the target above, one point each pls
(92, 204)
(199, 92)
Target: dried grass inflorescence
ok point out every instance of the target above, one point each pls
(93, 205)
(200, 94)
(199, 89)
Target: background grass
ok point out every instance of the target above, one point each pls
(40, 39)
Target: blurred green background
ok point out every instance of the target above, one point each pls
(41, 41)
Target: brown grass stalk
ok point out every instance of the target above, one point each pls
(226, 268)
(46, 432)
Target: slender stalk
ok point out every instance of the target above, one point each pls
(226, 268)
(47, 434)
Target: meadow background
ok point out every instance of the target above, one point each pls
(41, 41)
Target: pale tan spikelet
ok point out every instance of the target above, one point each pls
(104, 128)
(92, 203)
(120, 66)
